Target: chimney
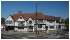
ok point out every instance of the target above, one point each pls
(19, 12)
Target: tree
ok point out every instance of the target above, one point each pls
(67, 22)
(2, 20)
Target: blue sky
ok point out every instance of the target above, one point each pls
(54, 8)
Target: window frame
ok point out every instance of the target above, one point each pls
(20, 27)
(9, 22)
(39, 26)
(30, 22)
(20, 17)
(51, 27)
(40, 21)
(50, 21)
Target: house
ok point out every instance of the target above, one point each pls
(27, 22)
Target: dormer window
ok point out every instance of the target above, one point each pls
(30, 22)
(20, 17)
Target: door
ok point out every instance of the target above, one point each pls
(30, 28)
(46, 27)
(11, 28)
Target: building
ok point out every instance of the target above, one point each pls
(2, 26)
(27, 22)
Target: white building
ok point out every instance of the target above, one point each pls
(27, 22)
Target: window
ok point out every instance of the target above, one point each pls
(30, 22)
(41, 21)
(59, 26)
(20, 17)
(50, 21)
(39, 26)
(30, 27)
(52, 27)
(20, 27)
(21, 22)
(8, 22)
(57, 21)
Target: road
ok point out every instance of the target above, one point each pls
(53, 35)
(12, 36)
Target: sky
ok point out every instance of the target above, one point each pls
(53, 8)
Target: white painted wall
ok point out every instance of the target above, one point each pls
(16, 23)
(48, 23)
(33, 28)
(33, 22)
(52, 24)
(30, 19)
(25, 29)
(25, 23)
(62, 27)
(9, 19)
(51, 28)
(20, 19)
(43, 28)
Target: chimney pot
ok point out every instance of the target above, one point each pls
(19, 12)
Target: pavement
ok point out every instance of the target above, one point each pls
(33, 35)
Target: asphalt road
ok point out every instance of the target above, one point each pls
(18, 36)
(12, 36)
(54, 35)
(63, 38)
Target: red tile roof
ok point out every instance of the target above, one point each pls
(62, 20)
(26, 16)
(33, 15)
(57, 18)
(50, 17)
(39, 16)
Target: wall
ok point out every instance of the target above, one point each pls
(25, 29)
(19, 20)
(43, 27)
(9, 19)
(30, 19)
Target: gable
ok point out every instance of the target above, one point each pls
(9, 18)
(20, 19)
(30, 19)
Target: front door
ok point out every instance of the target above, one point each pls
(11, 28)
(46, 27)
(30, 28)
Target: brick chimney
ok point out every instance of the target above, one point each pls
(19, 12)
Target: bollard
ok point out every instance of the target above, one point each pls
(47, 31)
